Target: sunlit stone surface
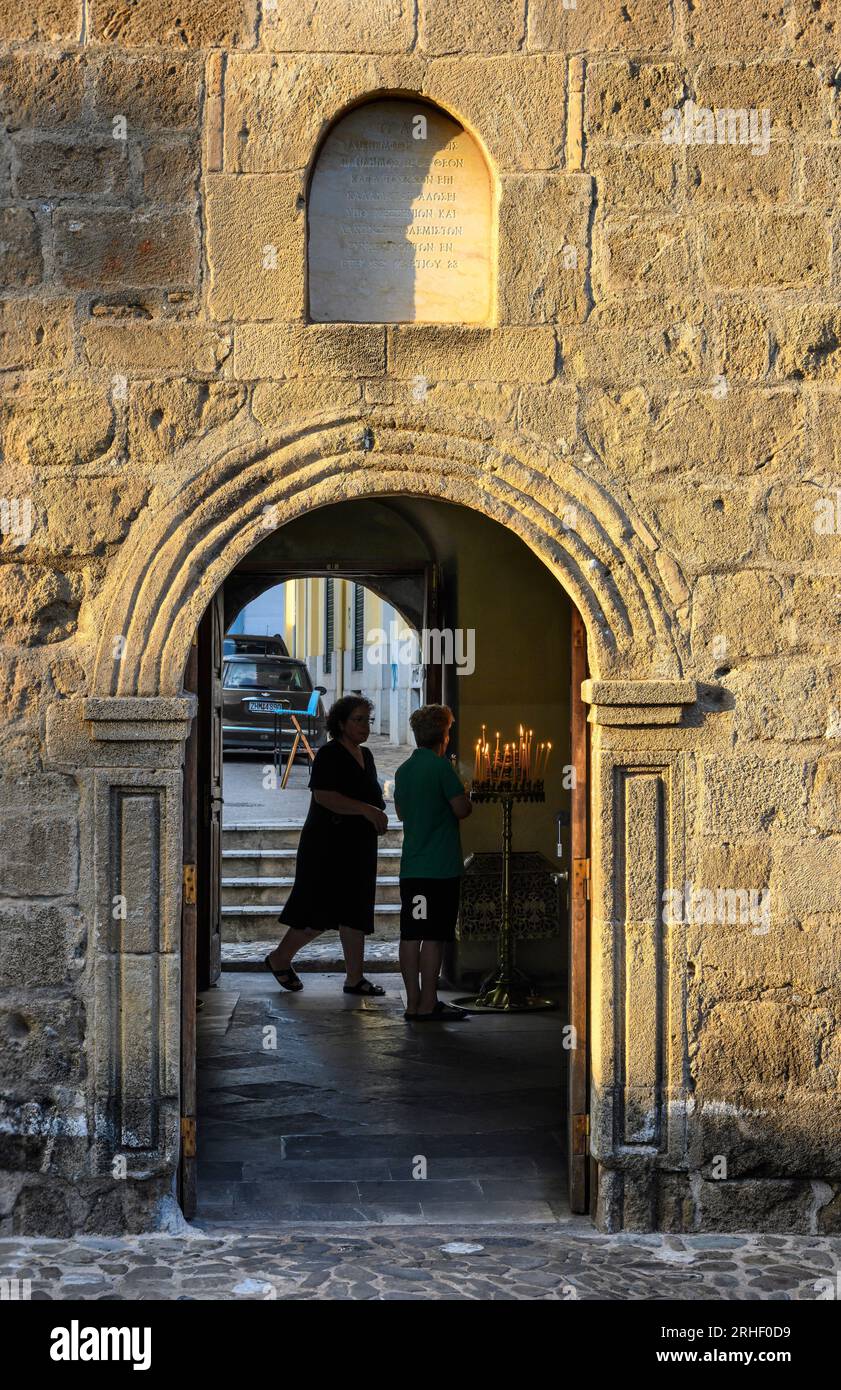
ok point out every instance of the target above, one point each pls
(400, 220)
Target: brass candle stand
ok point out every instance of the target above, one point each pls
(506, 990)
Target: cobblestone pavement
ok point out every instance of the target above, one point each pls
(570, 1262)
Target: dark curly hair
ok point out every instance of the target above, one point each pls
(341, 710)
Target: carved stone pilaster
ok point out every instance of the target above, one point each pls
(637, 987)
(127, 754)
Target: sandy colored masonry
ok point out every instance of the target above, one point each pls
(653, 404)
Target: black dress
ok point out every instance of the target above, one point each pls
(336, 868)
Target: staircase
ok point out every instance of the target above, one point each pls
(258, 870)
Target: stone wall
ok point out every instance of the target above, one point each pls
(664, 360)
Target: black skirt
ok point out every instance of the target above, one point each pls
(336, 867)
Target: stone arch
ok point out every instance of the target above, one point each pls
(178, 553)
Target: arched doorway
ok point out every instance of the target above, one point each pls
(507, 657)
(131, 727)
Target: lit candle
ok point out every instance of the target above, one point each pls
(546, 763)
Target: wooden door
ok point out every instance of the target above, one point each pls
(209, 852)
(187, 1157)
(579, 1080)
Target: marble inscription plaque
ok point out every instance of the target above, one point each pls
(400, 220)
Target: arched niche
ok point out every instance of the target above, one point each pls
(400, 219)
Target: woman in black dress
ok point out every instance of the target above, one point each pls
(336, 867)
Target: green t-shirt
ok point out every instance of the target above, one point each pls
(423, 788)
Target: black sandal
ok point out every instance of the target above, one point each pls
(442, 1013)
(287, 978)
(364, 987)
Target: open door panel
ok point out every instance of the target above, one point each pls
(579, 1081)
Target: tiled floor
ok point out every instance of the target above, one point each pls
(321, 1107)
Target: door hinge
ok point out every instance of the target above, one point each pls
(188, 1136)
(189, 884)
(581, 878)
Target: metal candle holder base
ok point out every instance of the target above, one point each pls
(506, 990)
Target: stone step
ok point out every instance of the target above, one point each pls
(323, 954)
(277, 863)
(259, 923)
(260, 890)
(283, 834)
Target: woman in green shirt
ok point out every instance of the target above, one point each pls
(430, 800)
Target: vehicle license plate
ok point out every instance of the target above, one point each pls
(264, 707)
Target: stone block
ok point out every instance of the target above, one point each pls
(38, 942)
(147, 23)
(515, 104)
(54, 169)
(649, 253)
(741, 340)
(753, 952)
(781, 250)
(41, 90)
(825, 800)
(751, 1047)
(543, 248)
(795, 92)
(462, 354)
(486, 26)
(807, 343)
(786, 1139)
(166, 415)
(550, 412)
(317, 350)
(804, 523)
(596, 25)
(633, 177)
(41, 1040)
(668, 343)
(784, 699)
(44, 21)
(820, 176)
(255, 246)
(40, 854)
(87, 519)
(807, 883)
(277, 404)
(42, 428)
(627, 100)
(37, 604)
(120, 248)
(747, 795)
(737, 616)
(814, 622)
(154, 348)
(35, 333)
(709, 436)
(825, 455)
(20, 249)
(277, 106)
(336, 27)
(734, 174)
(732, 30)
(741, 864)
(170, 171)
(706, 525)
(155, 92)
